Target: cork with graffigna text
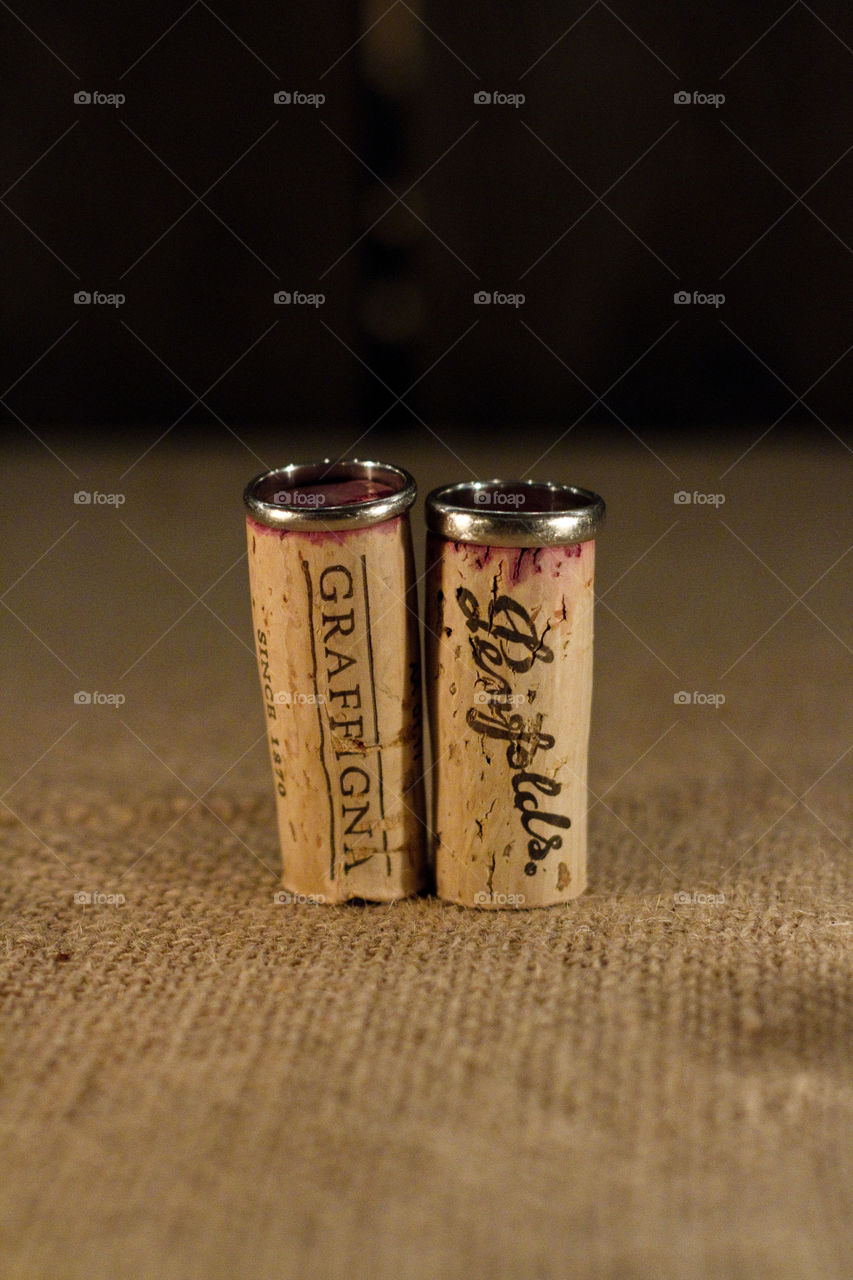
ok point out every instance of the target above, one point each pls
(338, 653)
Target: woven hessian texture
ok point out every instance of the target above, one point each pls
(202, 1083)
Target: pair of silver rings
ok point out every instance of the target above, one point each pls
(495, 513)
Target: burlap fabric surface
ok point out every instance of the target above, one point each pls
(201, 1083)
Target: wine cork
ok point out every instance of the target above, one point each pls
(335, 618)
(509, 665)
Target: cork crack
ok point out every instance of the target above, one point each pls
(357, 746)
(541, 642)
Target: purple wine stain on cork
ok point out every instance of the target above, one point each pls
(523, 563)
(333, 493)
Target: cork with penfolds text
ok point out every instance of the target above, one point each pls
(334, 612)
(509, 678)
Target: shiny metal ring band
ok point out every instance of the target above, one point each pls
(260, 500)
(514, 513)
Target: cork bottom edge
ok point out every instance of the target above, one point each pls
(327, 897)
(511, 906)
(324, 898)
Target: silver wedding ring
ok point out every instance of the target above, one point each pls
(278, 498)
(514, 513)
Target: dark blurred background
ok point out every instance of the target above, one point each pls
(398, 197)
